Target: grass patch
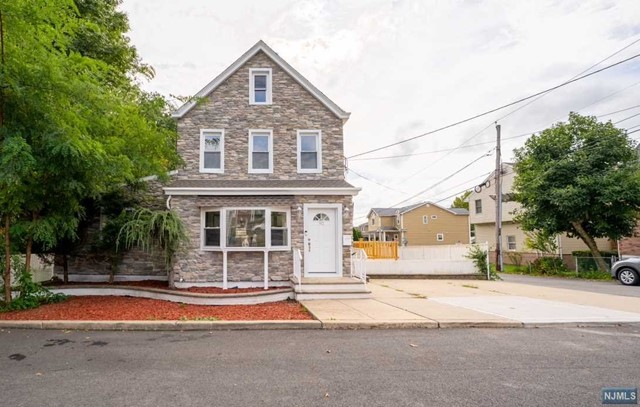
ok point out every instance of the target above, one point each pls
(529, 271)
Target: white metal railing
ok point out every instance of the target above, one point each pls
(297, 266)
(359, 264)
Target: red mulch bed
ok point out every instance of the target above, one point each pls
(164, 285)
(113, 308)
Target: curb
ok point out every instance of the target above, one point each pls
(162, 325)
(291, 325)
(353, 325)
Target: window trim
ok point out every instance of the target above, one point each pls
(223, 228)
(425, 218)
(476, 206)
(509, 243)
(318, 134)
(440, 237)
(252, 95)
(204, 227)
(250, 158)
(433, 217)
(220, 170)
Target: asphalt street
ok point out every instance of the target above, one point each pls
(429, 367)
(596, 286)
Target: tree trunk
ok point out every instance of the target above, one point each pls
(591, 244)
(65, 268)
(170, 273)
(27, 260)
(7, 261)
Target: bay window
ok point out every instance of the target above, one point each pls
(246, 229)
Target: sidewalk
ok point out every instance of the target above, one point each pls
(459, 303)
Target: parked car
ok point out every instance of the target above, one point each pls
(627, 271)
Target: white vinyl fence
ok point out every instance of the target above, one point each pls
(449, 259)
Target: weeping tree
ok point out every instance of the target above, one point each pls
(154, 231)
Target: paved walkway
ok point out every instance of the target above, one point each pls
(448, 303)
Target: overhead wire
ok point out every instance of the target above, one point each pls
(498, 108)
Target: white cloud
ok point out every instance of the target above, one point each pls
(405, 67)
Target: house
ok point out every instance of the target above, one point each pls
(263, 180)
(483, 214)
(421, 224)
(262, 191)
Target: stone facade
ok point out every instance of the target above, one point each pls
(197, 265)
(87, 262)
(227, 108)
(292, 109)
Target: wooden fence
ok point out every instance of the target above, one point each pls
(379, 250)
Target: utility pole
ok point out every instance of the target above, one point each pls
(498, 183)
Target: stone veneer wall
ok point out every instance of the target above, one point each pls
(293, 108)
(135, 262)
(197, 265)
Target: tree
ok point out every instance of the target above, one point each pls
(582, 178)
(462, 201)
(73, 122)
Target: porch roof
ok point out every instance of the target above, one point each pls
(261, 187)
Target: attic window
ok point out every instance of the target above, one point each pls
(260, 86)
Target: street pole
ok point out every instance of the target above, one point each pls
(498, 183)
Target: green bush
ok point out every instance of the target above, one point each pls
(548, 266)
(479, 258)
(31, 294)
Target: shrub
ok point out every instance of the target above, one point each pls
(479, 258)
(32, 294)
(515, 258)
(548, 266)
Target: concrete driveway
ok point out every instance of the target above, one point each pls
(449, 303)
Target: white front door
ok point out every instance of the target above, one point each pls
(322, 254)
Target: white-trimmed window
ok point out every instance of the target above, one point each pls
(212, 150)
(511, 242)
(309, 151)
(478, 204)
(260, 151)
(440, 237)
(211, 232)
(246, 229)
(434, 216)
(425, 219)
(260, 86)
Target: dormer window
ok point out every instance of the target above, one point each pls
(260, 86)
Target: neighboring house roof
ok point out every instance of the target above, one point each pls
(260, 187)
(459, 211)
(385, 229)
(405, 209)
(261, 46)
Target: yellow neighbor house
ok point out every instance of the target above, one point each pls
(422, 224)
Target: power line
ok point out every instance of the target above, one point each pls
(375, 182)
(444, 179)
(627, 118)
(618, 111)
(498, 108)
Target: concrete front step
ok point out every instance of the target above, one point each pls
(332, 296)
(330, 288)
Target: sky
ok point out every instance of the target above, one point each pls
(406, 67)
